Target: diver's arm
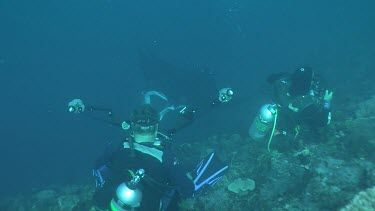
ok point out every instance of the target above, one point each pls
(322, 118)
(286, 125)
(177, 174)
(326, 117)
(104, 184)
(327, 106)
(109, 171)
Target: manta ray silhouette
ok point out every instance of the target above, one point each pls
(194, 86)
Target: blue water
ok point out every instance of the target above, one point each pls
(53, 51)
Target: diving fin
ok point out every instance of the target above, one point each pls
(207, 173)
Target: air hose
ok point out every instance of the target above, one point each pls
(273, 131)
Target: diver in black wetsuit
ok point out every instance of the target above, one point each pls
(142, 173)
(299, 99)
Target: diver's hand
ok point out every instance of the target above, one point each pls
(327, 99)
(291, 107)
(125, 125)
(76, 106)
(328, 96)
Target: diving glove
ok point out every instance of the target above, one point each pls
(328, 96)
(327, 99)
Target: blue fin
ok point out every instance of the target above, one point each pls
(207, 173)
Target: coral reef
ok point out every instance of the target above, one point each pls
(364, 200)
(59, 198)
(241, 185)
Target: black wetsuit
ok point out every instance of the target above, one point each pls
(309, 102)
(163, 176)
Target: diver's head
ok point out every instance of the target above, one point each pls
(144, 124)
(301, 81)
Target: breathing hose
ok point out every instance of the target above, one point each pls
(273, 131)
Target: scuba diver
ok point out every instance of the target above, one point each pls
(299, 99)
(143, 173)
